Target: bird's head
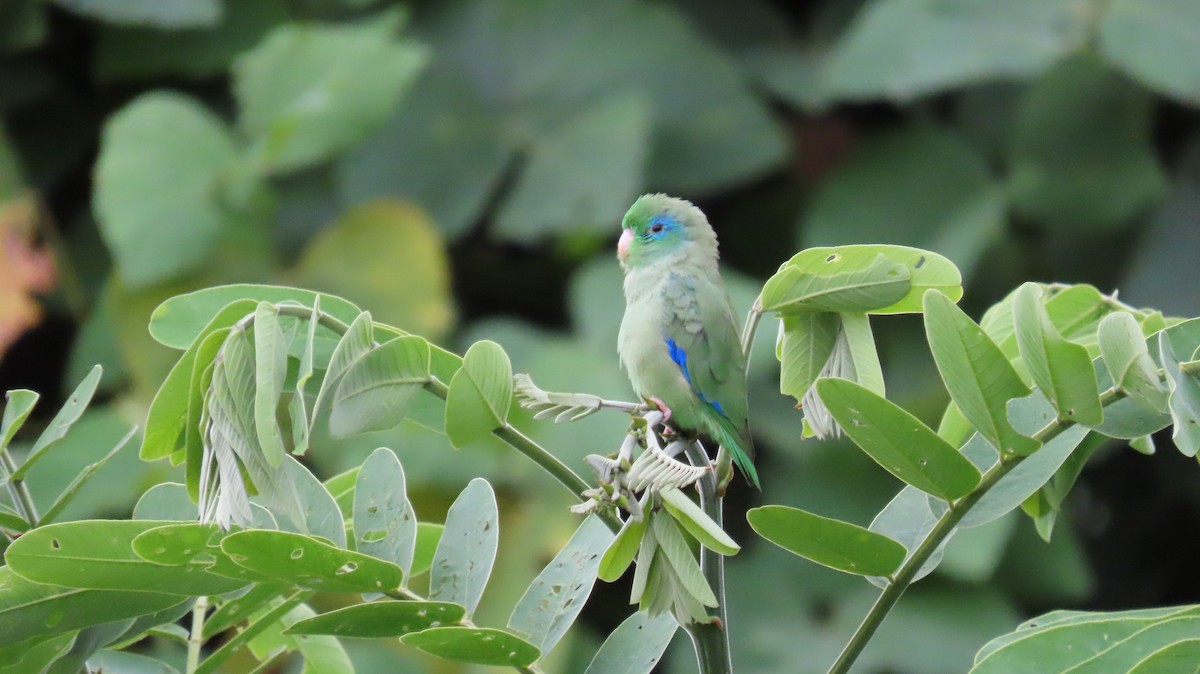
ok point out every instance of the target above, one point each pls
(658, 227)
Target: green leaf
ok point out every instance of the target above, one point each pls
(319, 653)
(167, 501)
(838, 545)
(234, 611)
(297, 408)
(318, 512)
(902, 49)
(554, 599)
(908, 519)
(880, 284)
(925, 270)
(466, 552)
(480, 394)
(18, 404)
(353, 345)
(1061, 369)
(697, 523)
(806, 341)
(921, 186)
(270, 370)
(1128, 360)
(29, 609)
(898, 441)
(379, 619)
(162, 159)
(310, 562)
(1029, 475)
(1177, 657)
(385, 525)
(180, 320)
(860, 341)
(97, 555)
(309, 91)
(1152, 41)
(128, 663)
(477, 645)
(556, 194)
(1088, 642)
(377, 389)
(201, 380)
(623, 549)
(674, 549)
(34, 654)
(636, 646)
(1083, 155)
(157, 13)
(342, 488)
(979, 378)
(171, 416)
(1184, 399)
(401, 271)
(61, 423)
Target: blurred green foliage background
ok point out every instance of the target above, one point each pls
(459, 167)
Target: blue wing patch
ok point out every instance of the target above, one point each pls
(680, 357)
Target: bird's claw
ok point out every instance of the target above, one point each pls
(662, 407)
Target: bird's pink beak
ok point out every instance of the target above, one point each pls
(623, 243)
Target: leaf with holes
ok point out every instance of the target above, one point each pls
(833, 543)
(480, 394)
(925, 270)
(385, 525)
(898, 441)
(477, 645)
(880, 283)
(636, 646)
(98, 555)
(557, 595)
(466, 552)
(379, 619)
(309, 562)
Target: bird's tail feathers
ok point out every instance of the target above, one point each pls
(740, 445)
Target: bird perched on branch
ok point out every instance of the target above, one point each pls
(679, 338)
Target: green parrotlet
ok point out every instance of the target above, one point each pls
(679, 338)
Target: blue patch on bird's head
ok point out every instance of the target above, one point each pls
(660, 225)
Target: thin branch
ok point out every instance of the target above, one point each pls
(196, 639)
(711, 639)
(536, 453)
(18, 491)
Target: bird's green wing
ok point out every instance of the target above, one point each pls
(702, 338)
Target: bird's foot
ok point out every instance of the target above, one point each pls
(662, 407)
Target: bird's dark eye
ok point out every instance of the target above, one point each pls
(657, 228)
